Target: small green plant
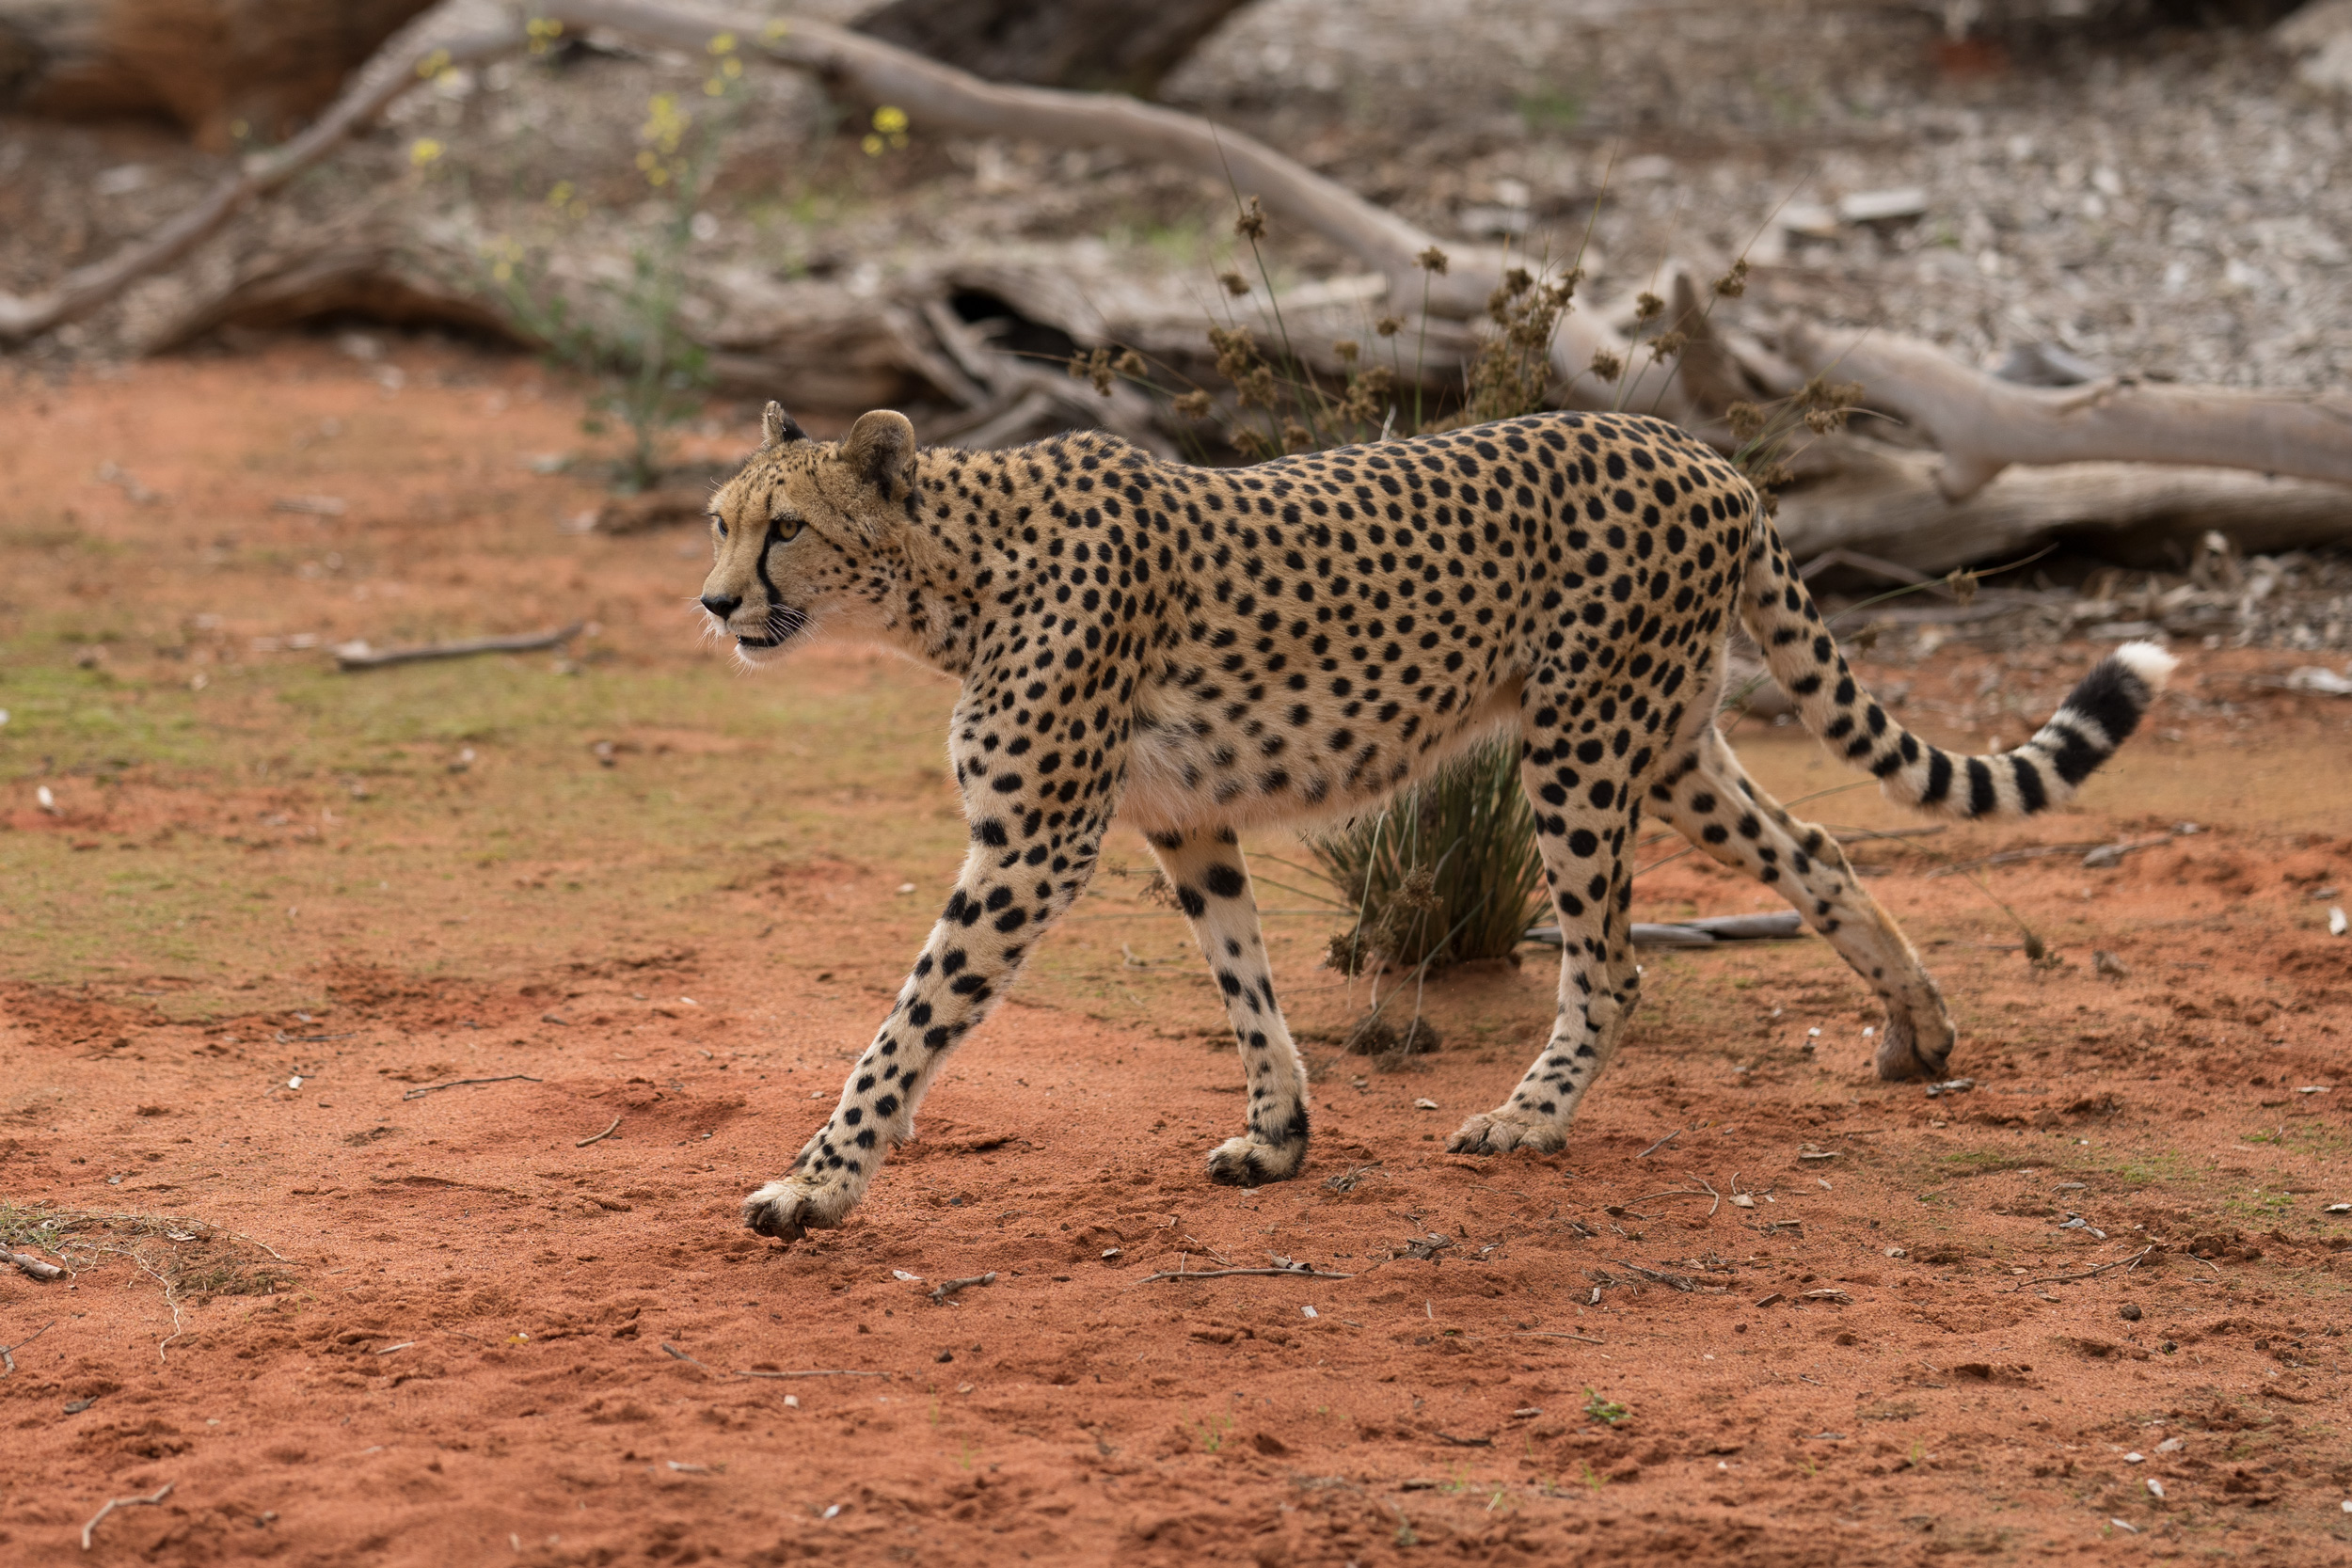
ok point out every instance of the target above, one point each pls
(1593, 1478)
(1213, 1430)
(653, 372)
(1605, 1411)
(1550, 109)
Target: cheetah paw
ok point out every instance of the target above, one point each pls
(1247, 1160)
(1500, 1132)
(1907, 1049)
(790, 1209)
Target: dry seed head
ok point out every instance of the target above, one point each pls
(1297, 436)
(1246, 440)
(1432, 260)
(1131, 364)
(1389, 326)
(1235, 283)
(1669, 344)
(1194, 405)
(1734, 283)
(1255, 389)
(1964, 586)
(1346, 350)
(1821, 393)
(1606, 365)
(1647, 307)
(1747, 420)
(1250, 223)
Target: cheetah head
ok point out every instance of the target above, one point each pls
(797, 537)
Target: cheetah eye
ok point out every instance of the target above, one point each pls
(783, 529)
(720, 523)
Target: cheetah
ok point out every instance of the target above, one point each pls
(1206, 651)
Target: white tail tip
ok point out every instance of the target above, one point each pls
(2150, 663)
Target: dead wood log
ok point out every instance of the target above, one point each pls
(391, 72)
(1983, 424)
(1856, 494)
(938, 98)
(1100, 45)
(210, 65)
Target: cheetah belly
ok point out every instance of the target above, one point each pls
(1268, 772)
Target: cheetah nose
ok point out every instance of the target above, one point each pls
(722, 605)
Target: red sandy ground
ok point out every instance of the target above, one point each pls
(488, 1342)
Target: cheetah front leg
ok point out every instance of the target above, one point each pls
(1034, 842)
(1213, 884)
(1585, 815)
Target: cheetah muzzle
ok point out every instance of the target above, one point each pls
(1206, 650)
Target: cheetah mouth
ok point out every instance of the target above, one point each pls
(781, 627)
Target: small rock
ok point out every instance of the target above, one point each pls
(2129, 1312)
(1887, 206)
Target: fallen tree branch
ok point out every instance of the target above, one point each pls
(1854, 493)
(940, 98)
(358, 656)
(391, 72)
(1983, 424)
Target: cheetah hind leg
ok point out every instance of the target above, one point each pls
(1711, 802)
(1212, 883)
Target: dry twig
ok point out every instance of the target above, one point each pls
(1549, 1334)
(112, 1503)
(7, 1352)
(171, 1299)
(1659, 1276)
(1660, 1144)
(2062, 1278)
(949, 1287)
(599, 1137)
(358, 656)
(726, 1372)
(38, 1268)
(1227, 1273)
(460, 1083)
(1702, 1189)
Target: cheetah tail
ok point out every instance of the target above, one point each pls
(2096, 718)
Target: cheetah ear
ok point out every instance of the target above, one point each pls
(880, 450)
(777, 428)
